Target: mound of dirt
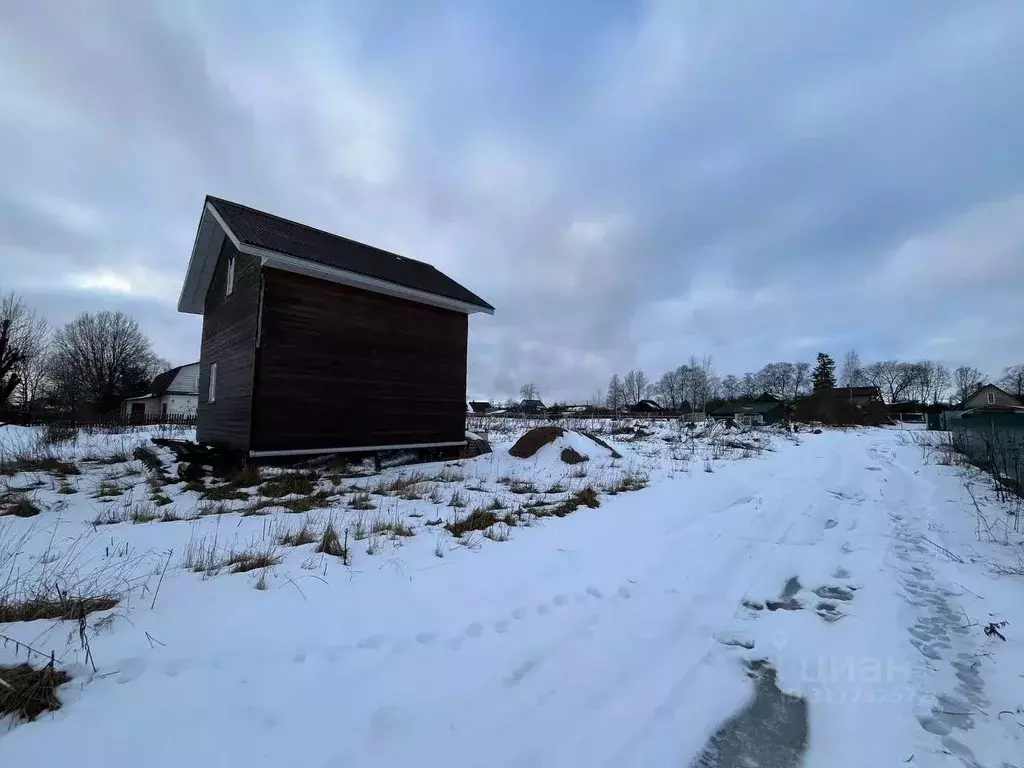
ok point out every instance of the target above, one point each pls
(572, 456)
(603, 444)
(527, 445)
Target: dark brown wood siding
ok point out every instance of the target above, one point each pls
(229, 340)
(339, 367)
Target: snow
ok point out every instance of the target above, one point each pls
(613, 636)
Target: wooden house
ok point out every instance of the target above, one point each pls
(313, 343)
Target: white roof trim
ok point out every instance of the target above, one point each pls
(204, 259)
(355, 449)
(314, 269)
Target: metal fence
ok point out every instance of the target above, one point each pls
(994, 441)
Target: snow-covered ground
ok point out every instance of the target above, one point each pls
(853, 562)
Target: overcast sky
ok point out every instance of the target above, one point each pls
(627, 183)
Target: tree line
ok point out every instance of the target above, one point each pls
(89, 365)
(695, 384)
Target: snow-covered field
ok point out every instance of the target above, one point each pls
(818, 597)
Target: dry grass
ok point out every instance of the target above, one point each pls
(38, 463)
(393, 526)
(557, 488)
(299, 537)
(330, 543)
(457, 500)
(19, 505)
(288, 483)
(516, 485)
(478, 520)
(225, 492)
(109, 490)
(361, 501)
(58, 607)
(27, 693)
(586, 497)
(251, 559)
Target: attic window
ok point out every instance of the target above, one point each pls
(229, 282)
(991, 398)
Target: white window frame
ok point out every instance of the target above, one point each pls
(211, 396)
(991, 398)
(229, 282)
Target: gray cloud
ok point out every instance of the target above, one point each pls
(628, 185)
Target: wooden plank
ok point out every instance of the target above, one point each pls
(339, 367)
(229, 340)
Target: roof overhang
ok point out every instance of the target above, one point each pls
(210, 240)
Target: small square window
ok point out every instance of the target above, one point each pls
(212, 396)
(229, 282)
(991, 398)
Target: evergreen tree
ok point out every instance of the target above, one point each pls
(824, 376)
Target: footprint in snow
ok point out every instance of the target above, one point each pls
(475, 629)
(594, 592)
(624, 592)
(371, 642)
(519, 613)
(830, 523)
(426, 638)
(561, 600)
(176, 667)
(501, 627)
(130, 669)
(543, 609)
(299, 658)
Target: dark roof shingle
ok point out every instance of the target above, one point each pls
(264, 230)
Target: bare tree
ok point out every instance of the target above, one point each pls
(669, 389)
(100, 359)
(800, 371)
(528, 391)
(10, 359)
(1012, 380)
(730, 387)
(777, 379)
(941, 381)
(967, 379)
(636, 386)
(749, 385)
(892, 377)
(851, 374)
(616, 397)
(29, 333)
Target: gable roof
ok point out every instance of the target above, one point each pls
(857, 392)
(756, 406)
(161, 385)
(286, 244)
(985, 387)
